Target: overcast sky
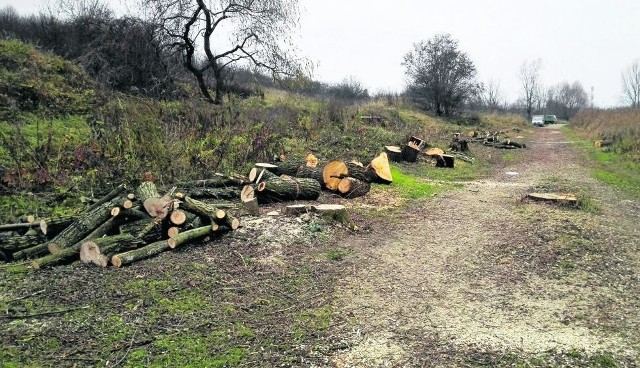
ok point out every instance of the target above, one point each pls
(590, 41)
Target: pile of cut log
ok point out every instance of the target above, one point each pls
(123, 226)
(492, 139)
(411, 151)
(120, 228)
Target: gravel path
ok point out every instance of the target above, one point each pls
(479, 272)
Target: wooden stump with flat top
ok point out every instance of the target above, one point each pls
(333, 212)
(394, 153)
(445, 161)
(410, 152)
(563, 198)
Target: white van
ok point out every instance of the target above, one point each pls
(537, 120)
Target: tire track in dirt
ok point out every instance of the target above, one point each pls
(479, 271)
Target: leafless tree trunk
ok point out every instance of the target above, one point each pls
(530, 79)
(631, 84)
(230, 32)
(493, 98)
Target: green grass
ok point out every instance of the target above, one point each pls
(410, 187)
(617, 170)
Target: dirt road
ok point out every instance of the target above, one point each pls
(479, 276)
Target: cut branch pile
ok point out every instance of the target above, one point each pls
(492, 139)
(122, 228)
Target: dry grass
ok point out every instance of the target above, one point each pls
(618, 126)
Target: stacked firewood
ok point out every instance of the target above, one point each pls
(305, 179)
(415, 146)
(123, 227)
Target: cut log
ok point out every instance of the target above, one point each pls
(359, 172)
(31, 252)
(311, 173)
(264, 175)
(380, 165)
(218, 181)
(247, 193)
(200, 208)
(150, 250)
(108, 198)
(83, 226)
(134, 213)
(178, 217)
(173, 231)
(115, 211)
(187, 236)
(17, 243)
(394, 153)
(65, 255)
(296, 209)
(227, 220)
(445, 161)
(215, 193)
(286, 188)
(564, 198)
(332, 174)
(146, 230)
(352, 187)
(19, 226)
(98, 251)
(410, 153)
(289, 168)
(54, 225)
(312, 161)
(103, 229)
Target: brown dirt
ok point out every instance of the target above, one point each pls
(480, 276)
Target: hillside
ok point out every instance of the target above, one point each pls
(60, 133)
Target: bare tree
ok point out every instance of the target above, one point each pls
(242, 32)
(530, 80)
(493, 99)
(631, 84)
(441, 76)
(566, 99)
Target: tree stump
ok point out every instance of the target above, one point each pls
(394, 153)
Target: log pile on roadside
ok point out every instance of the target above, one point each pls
(492, 139)
(128, 225)
(124, 226)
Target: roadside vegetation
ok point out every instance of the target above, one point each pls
(612, 139)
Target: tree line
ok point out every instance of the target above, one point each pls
(231, 46)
